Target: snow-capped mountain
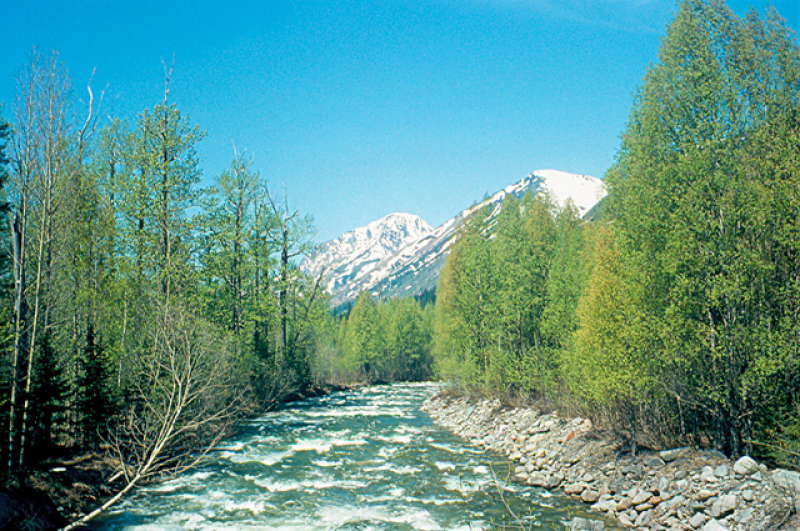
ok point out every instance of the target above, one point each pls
(401, 256)
(353, 260)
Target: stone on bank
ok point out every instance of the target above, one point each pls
(679, 489)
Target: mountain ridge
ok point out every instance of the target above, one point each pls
(401, 255)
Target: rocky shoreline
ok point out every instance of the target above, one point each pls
(679, 489)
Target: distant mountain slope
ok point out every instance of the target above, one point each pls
(354, 260)
(401, 256)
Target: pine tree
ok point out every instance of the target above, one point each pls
(51, 390)
(95, 400)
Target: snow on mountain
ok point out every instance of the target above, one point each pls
(353, 259)
(401, 256)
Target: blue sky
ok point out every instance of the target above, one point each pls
(363, 108)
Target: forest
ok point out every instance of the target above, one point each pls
(673, 319)
(143, 315)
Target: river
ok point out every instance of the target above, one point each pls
(357, 460)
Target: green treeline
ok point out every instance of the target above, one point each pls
(385, 342)
(143, 315)
(676, 318)
(140, 314)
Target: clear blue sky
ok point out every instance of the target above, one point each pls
(366, 108)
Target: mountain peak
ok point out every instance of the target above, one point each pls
(355, 254)
(401, 255)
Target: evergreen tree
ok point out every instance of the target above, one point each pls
(96, 400)
(51, 391)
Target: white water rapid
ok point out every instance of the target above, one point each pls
(358, 460)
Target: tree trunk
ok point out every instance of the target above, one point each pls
(21, 346)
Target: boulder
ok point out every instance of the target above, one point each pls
(574, 489)
(604, 505)
(724, 506)
(790, 481)
(745, 466)
(704, 495)
(624, 520)
(673, 454)
(714, 525)
(697, 520)
(787, 479)
(590, 496)
(707, 475)
(644, 518)
(584, 524)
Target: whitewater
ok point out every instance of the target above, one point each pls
(356, 460)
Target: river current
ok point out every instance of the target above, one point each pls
(357, 460)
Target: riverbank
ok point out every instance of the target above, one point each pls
(679, 489)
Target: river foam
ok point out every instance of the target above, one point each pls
(358, 460)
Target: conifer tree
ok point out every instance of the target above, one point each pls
(95, 401)
(51, 391)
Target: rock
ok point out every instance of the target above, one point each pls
(644, 518)
(697, 520)
(590, 496)
(707, 475)
(642, 497)
(584, 524)
(677, 501)
(603, 505)
(745, 466)
(724, 506)
(721, 471)
(624, 520)
(553, 481)
(538, 480)
(787, 479)
(704, 495)
(624, 504)
(747, 495)
(672, 455)
(714, 525)
(655, 501)
(574, 489)
(655, 462)
(746, 515)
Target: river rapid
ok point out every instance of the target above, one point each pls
(357, 460)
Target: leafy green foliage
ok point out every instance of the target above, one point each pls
(697, 218)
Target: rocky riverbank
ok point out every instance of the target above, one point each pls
(679, 489)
